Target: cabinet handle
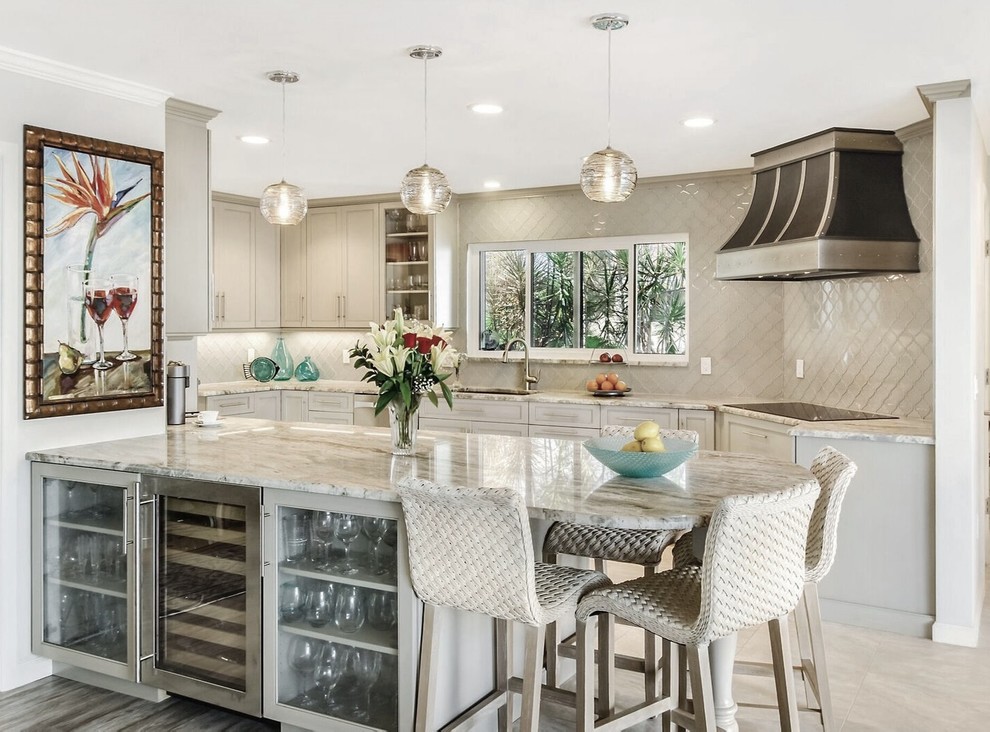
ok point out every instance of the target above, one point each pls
(338, 307)
(216, 306)
(302, 307)
(124, 541)
(264, 537)
(343, 312)
(223, 305)
(754, 434)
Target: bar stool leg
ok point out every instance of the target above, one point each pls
(682, 685)
(804, 653)
(532, 678)
(783, 674)
(551, 639)
(817, 637)
(428, 648)
(669, 682)
(585, 685)
(701, 688)
(503, 669)
(606, 665)
(650, 656)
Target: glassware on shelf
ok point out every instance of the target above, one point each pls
(291, 602)
(349, 609)
(329, 675)
(382, 610)
(374, 529)
(319, 605)
(304, 657)
(323, 528)
(282, 359)
(295, 532)
(347, 528)
(367, 665)
(307, 370)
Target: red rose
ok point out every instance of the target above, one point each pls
(423, 344)
(438, 341)
(409, 340)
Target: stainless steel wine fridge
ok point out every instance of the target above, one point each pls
(201, 595)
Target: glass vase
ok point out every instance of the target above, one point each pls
(404, 422)
(283, 359)
(307, 370)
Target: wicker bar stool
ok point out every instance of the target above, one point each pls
(471, 549)
(834, 472)
(752, 573)
(632, 546)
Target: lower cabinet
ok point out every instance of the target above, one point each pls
(476, 416)
(701, 421)
(260, 405)
(757, 436)
(328, 408)
(340, 614)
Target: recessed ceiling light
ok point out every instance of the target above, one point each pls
(699, 122)
(485, 108)
(492, 184)
(254, 139)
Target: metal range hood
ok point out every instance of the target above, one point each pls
(828, 205)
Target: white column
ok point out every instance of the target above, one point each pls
(960, 334)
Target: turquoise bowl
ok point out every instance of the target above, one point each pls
(608, 451)
(263, 369)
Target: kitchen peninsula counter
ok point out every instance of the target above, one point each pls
(903, 429)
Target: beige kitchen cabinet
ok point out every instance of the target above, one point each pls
(310, 406)
(260, 405)
(420, 259)
(295, 406)
(701, 421)
(572, 421)
(756, 436)
(476, 416)
(245, 267)
(331, 269)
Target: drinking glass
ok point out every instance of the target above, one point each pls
(391, 539)
(319, 605)
(99, 305)
(349, 609)
(304, 657)
(330, 674)
(347, 528)
(323, 527)
(367, 665)
(291, 602)
(374, 529)
(295, 531)
(382, 611)
(125, 296)
(70, 564)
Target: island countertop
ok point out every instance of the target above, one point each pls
(559, 479)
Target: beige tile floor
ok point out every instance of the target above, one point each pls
(880, 681)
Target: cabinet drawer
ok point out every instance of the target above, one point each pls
(331, 417)
(632, 416)
(462, 426)
(484, 410)
(576, 433)
(515, 429)
(758, 438)
(232, 405)
(567, 415)
(322, 402)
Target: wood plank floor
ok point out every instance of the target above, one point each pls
(55, 704)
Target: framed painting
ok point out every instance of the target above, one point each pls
(93, 294)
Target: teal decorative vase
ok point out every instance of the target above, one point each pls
(307, 371)
(282, 357)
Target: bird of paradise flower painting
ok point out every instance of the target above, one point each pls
(98, 269)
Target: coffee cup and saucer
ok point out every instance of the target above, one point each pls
(209, 418)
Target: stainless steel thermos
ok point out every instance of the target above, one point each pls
(176, 381)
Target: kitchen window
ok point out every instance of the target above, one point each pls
(570, 299)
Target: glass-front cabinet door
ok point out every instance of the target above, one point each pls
(407, 263)
(340, 613)
(85, 568)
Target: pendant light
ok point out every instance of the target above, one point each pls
(425, 189)
(283, 203)
(608, 176)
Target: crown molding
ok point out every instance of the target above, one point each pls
(180, 109)
(915, 129)
(28, 64)
(931, 93)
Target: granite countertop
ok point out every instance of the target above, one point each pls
(903, 429)
(558, 478)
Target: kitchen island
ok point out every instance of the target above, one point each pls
(308, 467)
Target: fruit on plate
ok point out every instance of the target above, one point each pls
(69, 359)
(616, 358)
(592, 385)
(620, 385)
(652, 444)
(633, 446)
(645, 430)
(605, 358)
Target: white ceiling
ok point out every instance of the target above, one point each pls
(768, 71)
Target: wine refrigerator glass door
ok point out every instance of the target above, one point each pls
(202, 599)
(84, 573)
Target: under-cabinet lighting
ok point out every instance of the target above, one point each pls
(254, 139)
(491, 184)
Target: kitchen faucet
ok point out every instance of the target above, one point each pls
(528, 379)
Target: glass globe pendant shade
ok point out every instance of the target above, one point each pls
(283, 203)
(425, 190)
(608, 176)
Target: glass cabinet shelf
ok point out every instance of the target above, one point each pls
(407, 234)
(363, 578)
(383, 641)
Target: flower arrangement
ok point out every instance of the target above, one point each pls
(403, 358)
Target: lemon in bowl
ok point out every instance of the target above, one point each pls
(633, 463)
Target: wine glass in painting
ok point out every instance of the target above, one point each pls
(99, 305)
(125, 296)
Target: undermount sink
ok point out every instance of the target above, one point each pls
(491, 390)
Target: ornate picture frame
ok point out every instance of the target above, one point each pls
(93, 285)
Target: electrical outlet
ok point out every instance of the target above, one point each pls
(344, 358)
(706, 366)
(799, 368)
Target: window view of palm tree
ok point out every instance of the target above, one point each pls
(553, 311)
(661, 312)
(503, 281)
(605, 298)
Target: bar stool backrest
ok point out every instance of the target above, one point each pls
(753, 568)
(471, 548)
(834, 472)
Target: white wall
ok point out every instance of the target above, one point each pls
(960, 331)
(46, 104)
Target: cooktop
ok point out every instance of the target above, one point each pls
(809, 412)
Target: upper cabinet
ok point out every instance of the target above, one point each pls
(245, 267)
(420, 263)
(331, 268)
